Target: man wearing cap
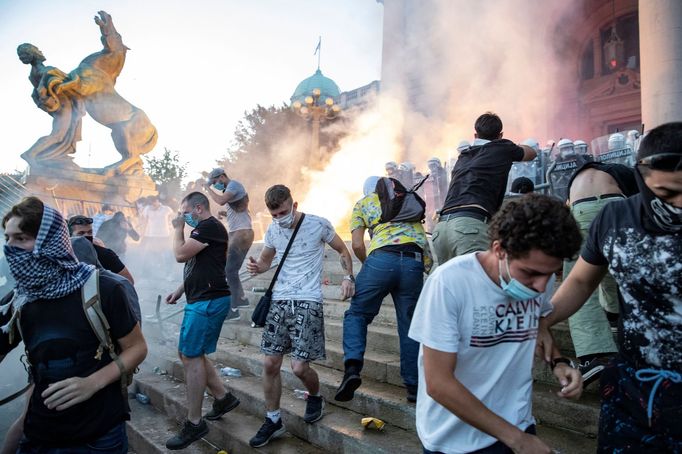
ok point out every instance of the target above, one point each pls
(80, 225)
(638, 240)
(476, 191)
(233, 195)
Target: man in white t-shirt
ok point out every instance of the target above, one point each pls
(236, 201)
(295, 323)
(156, 241)
(477, 321)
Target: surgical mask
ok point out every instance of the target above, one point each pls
(286, 221)
(190, 220)
(514, 289)
(220, 186)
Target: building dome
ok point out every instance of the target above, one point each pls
(328, 88)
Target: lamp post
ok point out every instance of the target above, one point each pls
(316, 112)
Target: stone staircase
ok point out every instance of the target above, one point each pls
(568, 426)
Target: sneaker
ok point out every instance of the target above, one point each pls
(233, 315)
(267, 432)
(411, 393)
(240, 303)
(222, 406)
(188, 435)
(313, 409)
(351, 381)
(591, 370)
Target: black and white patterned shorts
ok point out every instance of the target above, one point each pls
(296, 327)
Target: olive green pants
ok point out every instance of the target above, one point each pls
(590, 329)
(459, 236)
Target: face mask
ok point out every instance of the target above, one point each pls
(190, 220)
(220, 186)
(88, 237)
(286, 221)
(514, 289)
(660, 217)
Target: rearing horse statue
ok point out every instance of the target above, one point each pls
(89, 87)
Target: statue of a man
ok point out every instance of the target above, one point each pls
(91, 87)
(66, 111)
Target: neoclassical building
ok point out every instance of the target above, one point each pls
(577, 69)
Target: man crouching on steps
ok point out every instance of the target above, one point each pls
(295, 323)
(208, 301)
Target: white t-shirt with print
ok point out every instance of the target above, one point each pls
(461, 310)
(301, 274)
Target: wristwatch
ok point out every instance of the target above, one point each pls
(561, 359)
(349, 277)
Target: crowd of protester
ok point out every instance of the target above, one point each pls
(503, 267)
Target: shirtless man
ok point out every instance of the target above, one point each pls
(593, 185)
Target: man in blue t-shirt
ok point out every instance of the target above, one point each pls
(233, 196)
(638, 240)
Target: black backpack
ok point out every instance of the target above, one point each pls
(399, 204)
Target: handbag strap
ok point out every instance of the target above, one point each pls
(286, 252)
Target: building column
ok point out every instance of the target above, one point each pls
(660, 50)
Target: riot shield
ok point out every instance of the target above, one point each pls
(559, 175)
(619, 155)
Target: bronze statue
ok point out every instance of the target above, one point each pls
(89, 87)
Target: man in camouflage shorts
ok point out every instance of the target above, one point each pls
(295, 323)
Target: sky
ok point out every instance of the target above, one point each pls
(193, 67)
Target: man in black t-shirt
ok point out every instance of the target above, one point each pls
(208, 302)
(639, 242)
(80, 225)
(72, 382)
(476, 191)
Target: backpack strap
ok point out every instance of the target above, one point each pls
(92, 307)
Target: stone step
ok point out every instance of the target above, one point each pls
(580, 416)
(148, 430)
(338, 432)
(566, 442)
(382, 400)
(231, 433)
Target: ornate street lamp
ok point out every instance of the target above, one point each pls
(315, 111)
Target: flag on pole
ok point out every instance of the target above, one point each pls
(319, 43)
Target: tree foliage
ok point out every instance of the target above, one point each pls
(271, 145)
(167, 171)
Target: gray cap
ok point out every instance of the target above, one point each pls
(215, 173)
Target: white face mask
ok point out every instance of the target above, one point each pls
(287, 221)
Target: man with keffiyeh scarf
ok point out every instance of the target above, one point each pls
(72, 383)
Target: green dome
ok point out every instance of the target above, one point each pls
(328, 88)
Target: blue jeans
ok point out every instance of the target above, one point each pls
(381, 274)
(113, 442)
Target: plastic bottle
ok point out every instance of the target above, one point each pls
(230, 372)
(142, 398)
(301, 394)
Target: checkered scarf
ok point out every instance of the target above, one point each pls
(48, 272)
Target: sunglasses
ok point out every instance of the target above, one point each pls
(669, 162)
(81, 221)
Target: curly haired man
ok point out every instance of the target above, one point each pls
(477, 321)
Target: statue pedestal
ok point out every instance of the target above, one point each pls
(80, 185)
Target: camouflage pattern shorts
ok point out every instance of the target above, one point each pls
(296, 327)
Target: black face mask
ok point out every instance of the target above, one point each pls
(660, 217)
